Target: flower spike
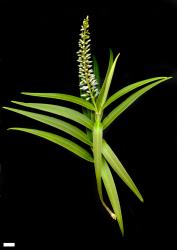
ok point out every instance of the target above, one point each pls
(88, 84)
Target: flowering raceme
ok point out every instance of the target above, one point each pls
(88, 83)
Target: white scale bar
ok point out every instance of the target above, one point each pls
(8, 244)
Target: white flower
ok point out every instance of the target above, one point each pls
(88, 84)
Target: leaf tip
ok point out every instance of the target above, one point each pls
(10, 129)
(165, 78)
(121, 229)
(140, 197)
(16, 102)
(142, 200)
(13, 101)
(7, 108)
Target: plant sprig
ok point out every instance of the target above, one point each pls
(93, 100)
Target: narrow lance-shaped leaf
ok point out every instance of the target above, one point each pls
(112, 193)
(61, 111)
(96, 71)
(129, 88)
(56, 123)
(59, 140)
(91, 116)
(108, 83)
(64, 97)
(99, 100)
(114, 162)
(125, 104)
(97, 155)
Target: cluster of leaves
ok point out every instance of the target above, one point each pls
(93, 102)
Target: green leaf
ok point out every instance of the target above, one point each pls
(97, 153)
(112, 193)
(114, 162)
(61, 111)
(56, 123)
(59, 140)
(107, 83)
(96, 70)
(64, 97)
(99, 100)
(129, 88)
(91, 116)
(125, 104)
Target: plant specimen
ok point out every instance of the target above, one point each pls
(94, 99)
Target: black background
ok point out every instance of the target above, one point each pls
(48, 195)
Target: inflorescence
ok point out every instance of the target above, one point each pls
(88, 83)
